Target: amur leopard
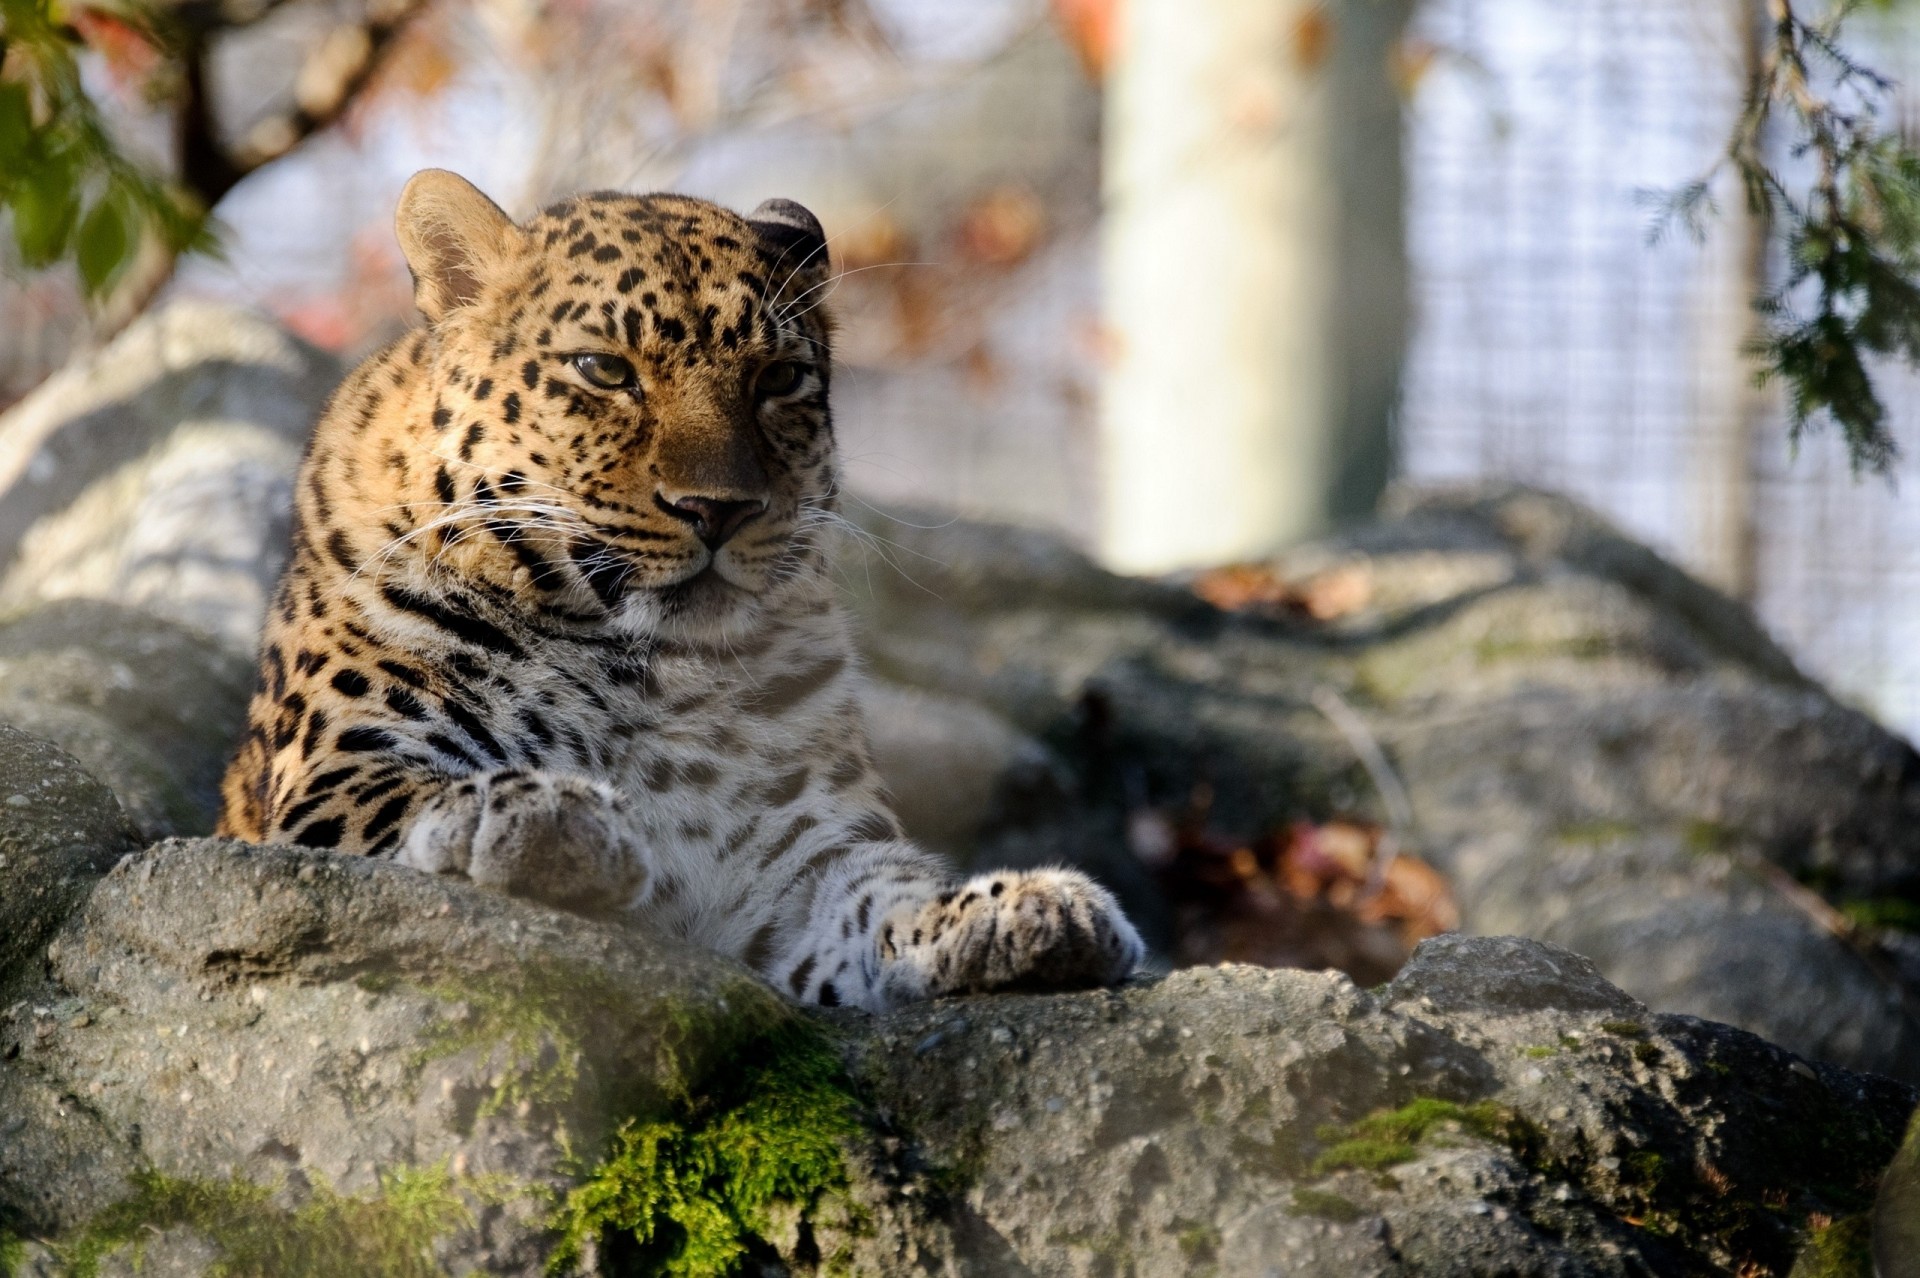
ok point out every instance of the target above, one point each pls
(558, 616)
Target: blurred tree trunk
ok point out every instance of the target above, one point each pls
(1255, 267)
(1723, 486)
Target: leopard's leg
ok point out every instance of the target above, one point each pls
(886, 927)
(565, 840)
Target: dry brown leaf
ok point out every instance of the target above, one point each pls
(1313, 37)
(1089, 28)
(1336, 592)
(1002, 227)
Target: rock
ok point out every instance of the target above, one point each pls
(1496, 1110)
(247, 1053)
(950, 763)
(1896, 1212)
(157, 472)
(1573, 719)
(1696, 925)
(59, 829)
(229, 1017)
(148, 706)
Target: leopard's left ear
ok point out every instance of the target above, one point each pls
(453, 237)
(794, 231)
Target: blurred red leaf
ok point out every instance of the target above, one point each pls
(1333, 894)
(1336, 592)
(1089, 27)
(1313, 38)
(124, 46)
(1002, 227)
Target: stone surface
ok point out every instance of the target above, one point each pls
(220, 1011)
(1896, 1212)
(148, 706)
(158, 471)
(59, 830)
(1597, 749)
(218, 1017)
(1567, 711)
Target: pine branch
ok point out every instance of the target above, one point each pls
(1851, 231)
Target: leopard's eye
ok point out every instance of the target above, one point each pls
(608, 371)
(778, 378)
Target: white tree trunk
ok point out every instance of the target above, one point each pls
(1255, 274)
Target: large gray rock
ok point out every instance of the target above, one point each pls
(1896, 1212)
(157, 472)
(148, 706)
(1597, 749)
(59, 830)
(239, 1054)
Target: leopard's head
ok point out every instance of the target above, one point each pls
(629, 393)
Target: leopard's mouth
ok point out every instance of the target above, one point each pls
(706, 591)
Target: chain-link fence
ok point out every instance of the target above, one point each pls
(1558, 341)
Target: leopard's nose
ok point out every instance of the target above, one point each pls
(715, 519)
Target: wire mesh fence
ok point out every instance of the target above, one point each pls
(1560, 342)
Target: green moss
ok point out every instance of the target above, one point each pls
(1843, 1249)
(1539, 1053)
(1363, 1154)
(535, 1021)
(1495, 649)
(534, 1017)
(1389, 1137)
(693, 1195)
(1624, 1029)
(1198, 1241)
(1645, 1168)
(13, 1251)
(1326, 1205)
(388, 1233)
(1706, 838)
(1881, 912)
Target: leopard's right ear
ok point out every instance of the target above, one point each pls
(453, 237)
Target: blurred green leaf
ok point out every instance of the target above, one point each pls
(16, 128)
(101, 250)
(45, 207)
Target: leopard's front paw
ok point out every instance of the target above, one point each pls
(564, 840)
(1031, 930)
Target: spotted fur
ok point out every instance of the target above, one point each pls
(577, 641)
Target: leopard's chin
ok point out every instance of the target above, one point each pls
(704, 610)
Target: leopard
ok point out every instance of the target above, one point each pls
(559, 616)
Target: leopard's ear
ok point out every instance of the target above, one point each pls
(453, 238)
(794, 231)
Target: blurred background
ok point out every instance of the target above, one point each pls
(1183, 284)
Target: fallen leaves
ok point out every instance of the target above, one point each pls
(1002, 227)
(1090, 28)
(1332, 894)
(1328, 595)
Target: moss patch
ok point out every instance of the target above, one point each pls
(1881, 912)
(536, 1022)
(1198, 1241)
(694, 1196)
(1843, 1249)
(388, 1233)
(1389, 1137)
(13, 1251)
(1326, 1205)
